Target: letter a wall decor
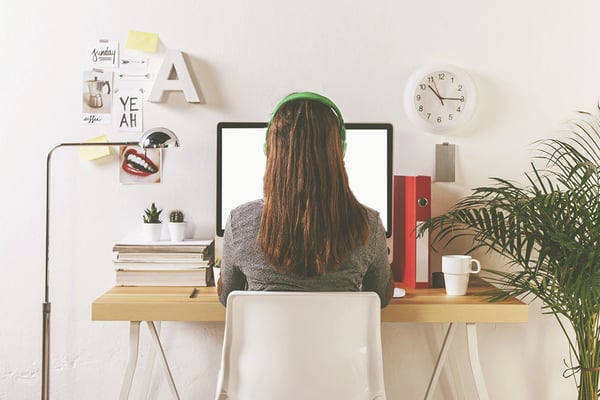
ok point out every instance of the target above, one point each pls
(173, 65)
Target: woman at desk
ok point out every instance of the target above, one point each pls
(308, 233)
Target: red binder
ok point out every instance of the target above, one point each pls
(412, 205)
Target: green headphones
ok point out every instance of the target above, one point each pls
(311, 97)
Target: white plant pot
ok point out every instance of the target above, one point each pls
(177, 231)
(151, 232)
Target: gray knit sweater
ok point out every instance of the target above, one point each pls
(244, 267)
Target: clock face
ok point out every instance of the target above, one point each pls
(440, 98)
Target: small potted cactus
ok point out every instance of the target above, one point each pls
(177, 226)
(152, 226)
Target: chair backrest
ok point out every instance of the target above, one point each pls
(302, 345)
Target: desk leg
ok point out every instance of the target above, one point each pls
(440, 361)
(134, 341)
(159, 349)
(147, 376)
(475, 364)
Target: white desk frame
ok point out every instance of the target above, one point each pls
(134, 344)
(473, 358)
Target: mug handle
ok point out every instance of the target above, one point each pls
(478, 270)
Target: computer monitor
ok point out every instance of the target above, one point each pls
(241, 166)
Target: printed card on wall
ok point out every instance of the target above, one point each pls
(139, 166)
(129, 105)
(96, 97)
(103, 54)
(134, 68)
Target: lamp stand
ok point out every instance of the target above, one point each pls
(155, 138)
(46, 307)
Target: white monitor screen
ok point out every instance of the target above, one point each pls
(241, 166)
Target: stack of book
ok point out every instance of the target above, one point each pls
(186, 263)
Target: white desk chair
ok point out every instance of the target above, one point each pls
(302, 346)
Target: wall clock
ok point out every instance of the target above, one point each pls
(440, 97)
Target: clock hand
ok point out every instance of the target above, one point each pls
(438, 91)
(454, 98)
(437, 94)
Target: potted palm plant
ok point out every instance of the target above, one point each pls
(548, 230)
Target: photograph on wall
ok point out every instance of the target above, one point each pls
(139, 166)
(103, 54)
(128, 109)
(96, 97)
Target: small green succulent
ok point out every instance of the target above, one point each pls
(152, 215)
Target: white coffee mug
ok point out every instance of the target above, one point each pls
(457, 269)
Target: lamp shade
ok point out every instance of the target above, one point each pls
(156, 138)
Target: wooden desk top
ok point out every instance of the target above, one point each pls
(433, 305)
(130, 303)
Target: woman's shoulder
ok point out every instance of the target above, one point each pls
(246, 212)
(375, 221)
(249, 206)
(372, 214)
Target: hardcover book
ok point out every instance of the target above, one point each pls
(161, 277)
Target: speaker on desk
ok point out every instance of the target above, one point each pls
(411, 256)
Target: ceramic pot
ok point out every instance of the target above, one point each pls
(177, 231)
(151, 232)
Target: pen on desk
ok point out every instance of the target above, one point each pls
(194, 293)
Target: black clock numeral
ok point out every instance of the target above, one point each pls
(439, 120)
(420, 108)
(428, 115)
(422, 86)
(460, 87)
(441, 76)
(418, 97)
(458, 109)
(450, 117)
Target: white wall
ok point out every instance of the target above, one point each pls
(534, 62)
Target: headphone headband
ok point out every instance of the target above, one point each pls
(311, 97)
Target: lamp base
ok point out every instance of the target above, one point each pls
(46, 351)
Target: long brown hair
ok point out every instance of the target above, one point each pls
(311, 221)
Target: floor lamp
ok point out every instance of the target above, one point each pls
(156, 138)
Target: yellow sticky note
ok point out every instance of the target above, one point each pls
(89, 153)
(143, 41)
